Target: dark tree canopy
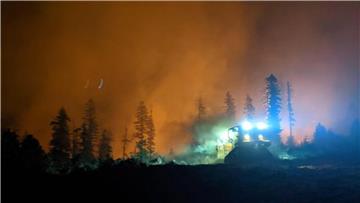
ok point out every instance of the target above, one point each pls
(273, 96)
(141, 130)
(32, 156)
(320, 133)
(10, 149)
(89, 133)
(21, 156)
(59, 153)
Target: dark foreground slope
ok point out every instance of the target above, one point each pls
(174, 183)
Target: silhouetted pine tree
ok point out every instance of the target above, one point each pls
(32, 156)
(322, 138)
(290, 114)
(273, 108)
(88, 134)
(249, 109)
(140, 131)
(230, 107)
(320, 134)
(59, 152)
(105, 149)
(10, 151)
(150, 135)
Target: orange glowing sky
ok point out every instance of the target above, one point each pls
(169, 54)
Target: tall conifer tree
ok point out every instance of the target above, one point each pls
(89, 133)
(140, 131)
(59, 153)
(273, 96)
(291, 113)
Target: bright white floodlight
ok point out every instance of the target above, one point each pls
(247, 138)
(246, 125)
(261, 125)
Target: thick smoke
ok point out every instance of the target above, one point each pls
(202, 138)
(169, 54)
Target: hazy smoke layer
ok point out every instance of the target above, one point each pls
(169, 54)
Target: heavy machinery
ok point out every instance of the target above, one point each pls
(249, 133)
(246, 143)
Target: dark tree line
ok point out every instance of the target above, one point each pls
(25, 155)
(83, 147)
(68, 149)
(86, 146)
(329, 145)
(325, 142)
(273, 108)
(203, 120)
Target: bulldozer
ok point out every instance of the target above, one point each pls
(249, 145)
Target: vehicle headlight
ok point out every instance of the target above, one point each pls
(261, 125)
(246, 125)
(247, 138)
